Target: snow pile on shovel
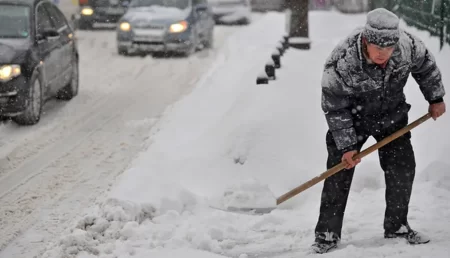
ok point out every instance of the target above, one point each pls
(249, 194)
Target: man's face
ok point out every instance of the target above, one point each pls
(379, 55)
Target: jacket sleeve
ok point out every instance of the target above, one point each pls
(336, 105)
(426, 73)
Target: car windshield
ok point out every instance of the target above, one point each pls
(180, 4)
(14, 21)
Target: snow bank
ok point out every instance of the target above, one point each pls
(215, 138)
(233, 134)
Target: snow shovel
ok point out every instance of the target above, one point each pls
(329, 172)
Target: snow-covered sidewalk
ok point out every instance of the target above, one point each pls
(230, 131)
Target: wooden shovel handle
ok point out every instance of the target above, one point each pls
(343, 164)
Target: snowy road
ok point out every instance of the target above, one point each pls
(51, 171)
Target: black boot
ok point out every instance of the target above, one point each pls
(413, 237)
(324, 242)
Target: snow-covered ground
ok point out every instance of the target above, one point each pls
(51, 172)
(230, 132)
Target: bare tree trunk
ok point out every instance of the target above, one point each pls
(299, 26)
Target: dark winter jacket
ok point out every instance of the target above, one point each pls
(361, 98)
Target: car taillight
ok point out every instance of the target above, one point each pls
(83, 2)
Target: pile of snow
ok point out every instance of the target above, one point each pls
(232, 134)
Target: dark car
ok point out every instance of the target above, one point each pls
(180, 26)
(100, 11)
(38, 58)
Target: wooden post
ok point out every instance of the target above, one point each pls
(298, 24)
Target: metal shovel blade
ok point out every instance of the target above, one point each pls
(260, 210)
(248, 196)
(246, 210)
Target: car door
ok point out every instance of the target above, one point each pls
(65, 50)
(46, 47)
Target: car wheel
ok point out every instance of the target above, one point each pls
(193, 47)
(198, 43)
(33, 110)
(122, 51)
(71, 89)
(210, 42)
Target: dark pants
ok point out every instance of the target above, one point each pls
(398, 163)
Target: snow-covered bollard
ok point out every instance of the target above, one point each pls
(270, 70)
(262, 79)
(280, 48)
(276, 59)
(286, 38)
(285, 44)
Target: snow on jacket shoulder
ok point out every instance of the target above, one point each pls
(358, 97)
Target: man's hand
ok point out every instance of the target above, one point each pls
(348, 158)
(437, 110)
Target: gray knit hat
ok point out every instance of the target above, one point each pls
(382, 28)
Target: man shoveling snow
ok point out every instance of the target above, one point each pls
(362, 96)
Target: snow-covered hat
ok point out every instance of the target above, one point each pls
(382, 28)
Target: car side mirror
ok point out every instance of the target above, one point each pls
(48, 34)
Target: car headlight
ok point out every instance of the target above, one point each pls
(87, 11)
(125, 26)
(8, 72)
(178, 27)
